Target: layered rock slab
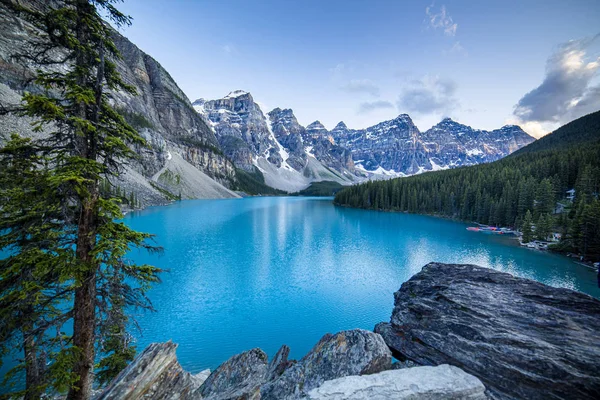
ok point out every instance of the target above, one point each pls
(424, 383)
(155, 374)
(523, 339)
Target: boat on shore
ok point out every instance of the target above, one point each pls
(491, 229)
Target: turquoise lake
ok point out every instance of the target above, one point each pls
(262, 272)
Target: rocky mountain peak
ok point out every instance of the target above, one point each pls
(451, 125)
(316, 125)
(404, 118)
(340, 126)
(199, 102)
(316, 129)
(278, 114)
(284, 122)
(237, 93)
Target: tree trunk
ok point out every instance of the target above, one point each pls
(32, 365)
(84, 318)
(84, 307)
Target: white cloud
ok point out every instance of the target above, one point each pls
(568, 90)
(533, 128)
(440, 20)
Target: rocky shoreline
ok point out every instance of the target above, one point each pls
(459, 331)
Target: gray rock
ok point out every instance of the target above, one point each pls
(354, 352)
(279, 363)
(523, 339)
(154, 374)
(240, 377)
(423, 383)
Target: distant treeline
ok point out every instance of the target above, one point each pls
(322, 189)
(534, 179)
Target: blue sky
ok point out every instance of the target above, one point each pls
(483, 63)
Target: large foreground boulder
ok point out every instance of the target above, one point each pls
(155, 374)
(354, 352)
(423, 383)
(523, 339)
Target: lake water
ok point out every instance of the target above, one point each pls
(262, 272)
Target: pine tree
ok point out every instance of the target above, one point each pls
(32, 276)
(86, 141)
(544, 198)
(543, 227)
(526, 229)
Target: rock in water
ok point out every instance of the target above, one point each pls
(240, 377)
(154, 374)
(354, 352)
(441, 382)
(523, 339)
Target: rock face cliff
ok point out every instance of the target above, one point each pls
(523, 339)
(181, 145)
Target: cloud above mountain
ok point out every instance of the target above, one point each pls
(568, 90)
(429, 95)
(440, 19)
(361, 86)
(368, 106)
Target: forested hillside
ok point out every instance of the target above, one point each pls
(524, 188)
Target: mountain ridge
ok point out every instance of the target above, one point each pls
(391, 148)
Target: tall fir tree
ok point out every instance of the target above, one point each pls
(85, 142)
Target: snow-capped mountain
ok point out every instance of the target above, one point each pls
(241, 129)
(397, 147)
(451, 144)
(290, 156)
(275, 146)
(313, 141)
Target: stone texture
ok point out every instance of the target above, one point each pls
(354, 352)
(423, 383)
(240, 377)
(523, 339)
(279, 363)
(155, 374)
